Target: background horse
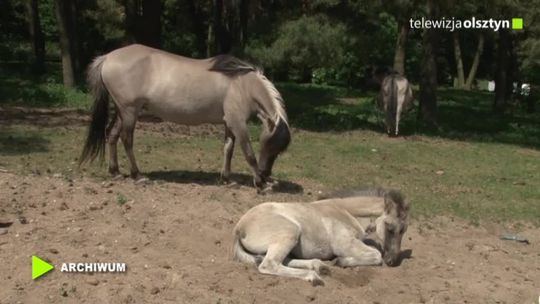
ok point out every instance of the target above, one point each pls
(395, 97)
(218, 90)
(292, 239)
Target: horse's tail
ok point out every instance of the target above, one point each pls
(241, 255)
(95, 140)
(391, 110)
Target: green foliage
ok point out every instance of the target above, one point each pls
(304, 44)
(121, 199)
(19, 87)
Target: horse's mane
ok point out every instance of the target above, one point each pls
(232, 66)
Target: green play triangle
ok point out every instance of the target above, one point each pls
(40, 267)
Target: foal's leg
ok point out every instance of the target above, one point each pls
(356, 253)
(113, 133)
(278, 251)
(129, 119)
(228, 149)
(315, 264)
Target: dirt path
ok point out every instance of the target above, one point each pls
(175, 239)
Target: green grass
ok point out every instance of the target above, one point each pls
(478, 166)
(18, 86)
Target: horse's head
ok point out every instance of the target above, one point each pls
(275, 138)
(392, 225)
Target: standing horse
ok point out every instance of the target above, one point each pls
(292, 239)
(218, 90)
(395, 97)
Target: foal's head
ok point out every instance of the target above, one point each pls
(392, 225)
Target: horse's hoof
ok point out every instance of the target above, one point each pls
(142, 181)
(224, 180)
(315, 279)
(117, 177)
(323, 269)
(265, 189)
(233, 185)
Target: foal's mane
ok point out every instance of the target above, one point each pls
(374, 192)
(395, 195)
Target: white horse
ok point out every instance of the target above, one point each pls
(219, 90)
(292, 239)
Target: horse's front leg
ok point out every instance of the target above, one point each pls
(239, 129)
(245, 144)
(228, 149)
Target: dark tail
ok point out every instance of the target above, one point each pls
(95, 140)
(391, 109)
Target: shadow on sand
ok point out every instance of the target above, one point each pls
(213, 178)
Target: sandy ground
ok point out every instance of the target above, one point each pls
(175, 238)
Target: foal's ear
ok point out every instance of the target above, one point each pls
(394, 200)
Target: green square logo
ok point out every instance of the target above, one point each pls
(517, 23)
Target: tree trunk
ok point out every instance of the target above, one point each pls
(244, 15)
(210, 41)
(150, 23)
(36, 35)
(62, 10)
(197, 25)
(131, 10)
(221, 35)
(143, 22)
(475, 63)
(399, 56)
(502, 79)
(428, 81)
(459, 61)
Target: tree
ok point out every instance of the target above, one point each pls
(36, 34)
(503, 74)
(143, 22)
(402, 12)
(64, 17)
(459, 60)
(428, 81)
(476, 62)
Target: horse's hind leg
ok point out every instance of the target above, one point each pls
(278, 251)
(228, 149)
(113, 133)
(129, 119)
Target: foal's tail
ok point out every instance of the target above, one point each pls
(95, 140)
(241, 255)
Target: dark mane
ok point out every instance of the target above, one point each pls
(231, 66)
(398, 198)
(377, 192)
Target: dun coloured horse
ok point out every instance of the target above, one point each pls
(218, 90)
(395, 97)
(293, 239)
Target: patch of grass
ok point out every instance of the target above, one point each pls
(121, 199)
(18, 86)
(478, 167)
